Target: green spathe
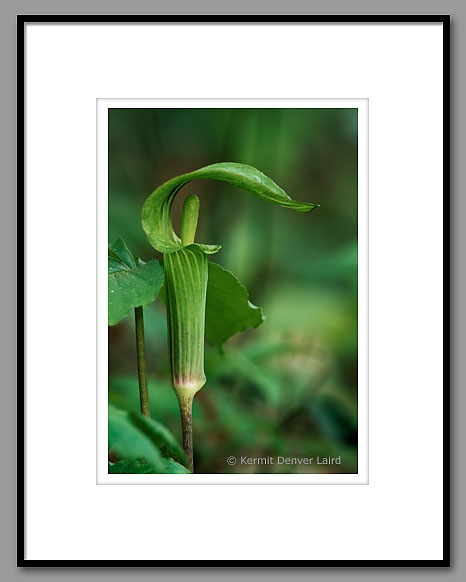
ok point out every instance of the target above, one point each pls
(156, 219)
(185, 286)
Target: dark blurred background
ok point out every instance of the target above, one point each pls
(289, 387)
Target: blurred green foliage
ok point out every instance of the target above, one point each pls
(289, 387)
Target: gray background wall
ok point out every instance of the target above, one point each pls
(9, 9)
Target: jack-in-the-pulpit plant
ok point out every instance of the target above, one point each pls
(186, 276)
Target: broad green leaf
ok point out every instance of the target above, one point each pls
(228, 309)
(115, 263)
(129, 442)
(156, 219)
(159, 435)
(131, 282)
(120, 249)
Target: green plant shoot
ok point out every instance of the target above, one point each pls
(186, 273)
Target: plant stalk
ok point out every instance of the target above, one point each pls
(185, 274)
(186, 412)
(141, 357)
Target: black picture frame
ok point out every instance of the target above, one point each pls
(22, 21)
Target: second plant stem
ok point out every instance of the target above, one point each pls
(141, 357)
